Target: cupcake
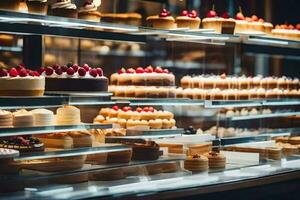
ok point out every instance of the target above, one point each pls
(37, 6)
(162, 21)
(188, 20)
(10, 4)
(89, 11)
(64, 8)
(223, 24)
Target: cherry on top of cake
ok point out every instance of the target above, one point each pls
(190, 14)
(288, 27)
(141, 70)
(71, 71)
(138, 109)
(19, 71)
(165, 13)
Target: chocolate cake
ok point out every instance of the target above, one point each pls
(145, 151)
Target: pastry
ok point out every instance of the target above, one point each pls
(6, 40)
(119, 157)
(81, 138)
(74, 78)
(43, 117)
(196, 163)
(37, 6)
(222, 24)
(286, 32)
(188, 20)
(10, 4)
(57, 140)
(22, 144)
(122, 18)
(146, 151)
(68, 115)
(6, 118)
(89, 12)
(216, 160)
(64, 8)
(21, 82)
(23, 118)
(162, 21)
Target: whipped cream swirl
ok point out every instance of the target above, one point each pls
(67, 4)
(89, 6)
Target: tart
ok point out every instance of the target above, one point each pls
(22, 144)
(21, 82)
(71, 77)
(188, 20)
(89, 12)
(162, 21)
(64, 8)
(196, 163)
(37, 6)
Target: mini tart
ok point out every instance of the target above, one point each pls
(196, 163)
(216, 160)
(220, 25)
(161, 22)
(188, 22)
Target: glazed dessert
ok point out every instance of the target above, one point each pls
(188, 20)
(64, 8)
(10, 5)
(287, 31)
(126, 117)
(37, 6)
(43, 117)
(119, 157)
(216, 160)
(122, 18)
(196, 163)
(148, 76)
(223, 24)
(74, 78)
(21, 82)
(68, 115)
(162, 21)
(22, 144)
(146, 151)
(6, 118)
(23, 118)
(89, 12)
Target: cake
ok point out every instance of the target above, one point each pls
(21, 82)
(81, 138)
(89, 12)
(274, 153)
(10, 4)
(122, 18)
(43, 117)
(145, 151)
(74, 78)
(37, 6)
(162, 21)
(216, 160)
(64, 8)
(96, 159)
(6, 40)
(222, 24)
(6, 118)
(188, 20)
(196, 163)
(7, 157)
(23, 118)
(286, 31)
(119, 157)
(22, 144)
(68, 115)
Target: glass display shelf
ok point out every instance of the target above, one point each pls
(159, 101)
(281, 102)
(176, 186)
(11, 49)
(232, 103)
(260, 116)
(13, 131)
(55, 100)
(35, 175)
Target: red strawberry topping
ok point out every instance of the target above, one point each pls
(146, 109)
(225, 15)
(126, 108)
(158, 70)
(151, 109)
(99, 71)
(81, 71)
(93, 72)
(166, 71)
(211, 14)
(56, 66)
(3, 72)
(64, 68)
(70, 71)
(130, 71)
(240, 16)
(49, 71)
(139, 109)
(75, 67)
(122, 71)
(41, 70)
(254, 18)
(116, 108)
(86, 67)
(58, 71)
(23, 73)
(13, 72)
(139, 70)
(149, 69)
(184, 13)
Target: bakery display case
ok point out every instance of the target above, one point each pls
(145, 106)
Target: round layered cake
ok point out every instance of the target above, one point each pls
(21, 82)
(6, 118)
(196, 163)
(146, 151)
(43, 117)
(74, 78)
(23, 118)
(216, 160)
(68, 115)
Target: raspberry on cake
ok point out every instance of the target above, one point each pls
(74, 78)
(20, 81)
